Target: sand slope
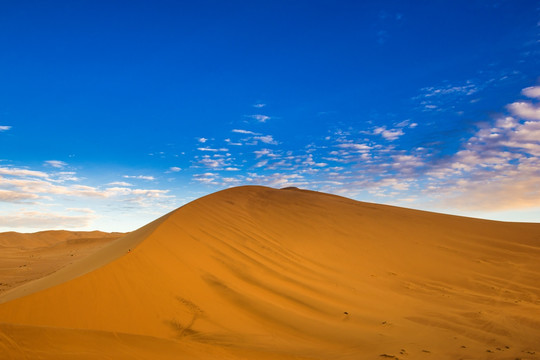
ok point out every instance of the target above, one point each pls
(253, 273)
(30, 256)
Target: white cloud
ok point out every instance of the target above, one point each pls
(468, 89)
(259, 106)
(254, 137)
(212, 149)
(403, 123)
(267, 139)
(213, 162)
(406, 123)
(518, 190)
(525, 110)
(206, 178)
(393, 183)
(140, 177)
(261, 163)
(445, 97)
(265, 152)
(17, 189)
(279, 180)
(229, 142)
(532, 92)
(153, 193)
(406, 163)
(63, 176)
(174, 169)
(47, 187)
(240, 131)
(55, 163)
(497, 168)
(120, 183)
(44, 220)
(4, 128)
(260, 117)
(16, 196)
(356, 147)
(202, 140)
(390, 135)
(22, 172)
(24, 186)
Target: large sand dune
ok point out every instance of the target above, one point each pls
(258, 273)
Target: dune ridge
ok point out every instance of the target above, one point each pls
(254, 272)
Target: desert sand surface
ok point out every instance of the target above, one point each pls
(259, 273)
(29, 256)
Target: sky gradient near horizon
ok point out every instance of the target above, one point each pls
(113, 113)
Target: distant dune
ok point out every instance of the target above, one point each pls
(26, 257)
(258, 273)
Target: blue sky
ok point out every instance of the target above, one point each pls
(113, 113)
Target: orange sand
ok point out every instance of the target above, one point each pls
(258, 273)
(26, 257)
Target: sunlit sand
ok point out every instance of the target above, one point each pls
(259, 273)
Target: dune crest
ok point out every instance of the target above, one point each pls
(254, 272)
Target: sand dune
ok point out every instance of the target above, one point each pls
(26, 257)
(52, 237)
(259, 273)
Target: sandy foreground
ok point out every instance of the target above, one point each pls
(259, 273)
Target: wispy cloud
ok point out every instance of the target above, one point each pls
(265, 152)
(55, 164)
(45, 220)
(267, 139)
(206, 178)
(22, 172)
(212, 149)
(140, 177)
(240, 131)
(280, 180)
(174, 169)
(4, 128)
(119, 183)
(355, 147)
(19, 186)
(532, 92)
(467, 89)
(498, 167)
(150, 193)
(232, 143)
(260, 117)
(388, 134)
(446, 97)
(501, 157)
(213, 162)
(15, 196)
(252, 138)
